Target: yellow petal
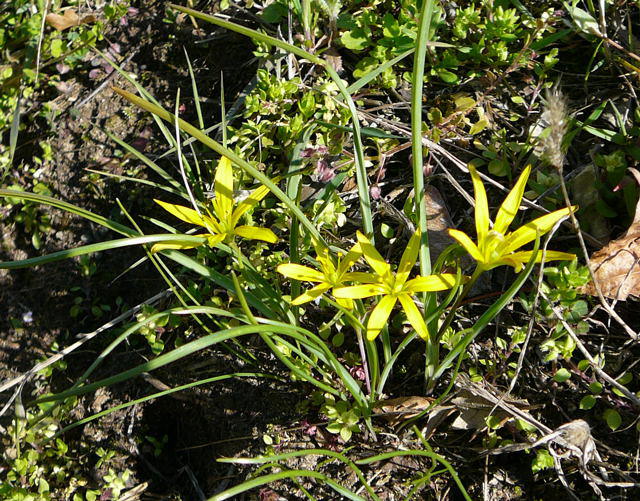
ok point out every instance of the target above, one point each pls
(373, 257)
(467, 244)
(414, 316)
(511, 204)
(214, 240)
(256, 233)
(482, 205)
(527, 233)
(299, 272)
(249, 203)
(519, 259)
(326, 261)
(408, 259)
(379, 316)
(358, 276)
(345, 303)
(349, 260)
(174, 244)
(311, 294)
(184, 213)
(359, 291)
(223, 188)
(430, 283)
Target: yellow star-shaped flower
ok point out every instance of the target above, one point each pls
(495, 246)
(394, 287)
(222, 221)
(333, 273)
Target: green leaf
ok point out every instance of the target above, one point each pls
(523, 425)
(386, 230)
(613, 419)
(447, 76)
(584, 21)
(355, 39)
(274, 13)
(493, 422)
(479, 126)
(542, 461)
(587, 402)
(56, 47)
(345, 434)
(561, 375)
(464, 103)
(334, 428)
(338, 340)
(596, 388)
(499, 167)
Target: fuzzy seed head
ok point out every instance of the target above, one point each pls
(556, 116)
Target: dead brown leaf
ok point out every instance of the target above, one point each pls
(69, 19)
(397, 410)
(617, 265)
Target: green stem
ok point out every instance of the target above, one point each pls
(433, 347)
(426, 15)
(363, 356)
(416, 133)
(465, 292)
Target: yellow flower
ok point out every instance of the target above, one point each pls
(495, 247)
(394, 287)
(334, 272)
(222, 221)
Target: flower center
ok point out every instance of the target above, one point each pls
(491, 245)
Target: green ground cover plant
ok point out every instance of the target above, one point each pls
(341, 303)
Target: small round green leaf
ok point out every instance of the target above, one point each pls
(561, 375)
(447, 76)
(613, 419)
(387, 231)
(596, 388)
(587, 402)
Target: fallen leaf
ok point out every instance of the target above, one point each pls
(334, 58)
(617, 265)
(397, 410)
(69, 19)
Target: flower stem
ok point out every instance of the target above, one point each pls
(363, 356)
(465, 292)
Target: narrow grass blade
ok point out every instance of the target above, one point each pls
(73, 209)
(304, 453)
(194, 88)
(366, 131)
(362, 81)
(160, 394)
(274, 477)
(417, 83)
(176, 354)
(210, 274)
(100, 247)
(13, 132)
(253, 34)
(147, 161)
(158, 186)
(429, 454)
